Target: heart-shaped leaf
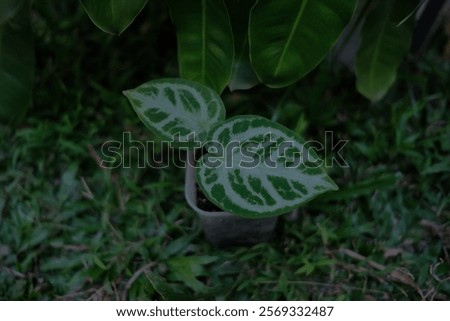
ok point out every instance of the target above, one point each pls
(288, 38)
(384, 42)
(177, 109)
(113, 16)
(205, 41)
(257, 168)
(16, 65)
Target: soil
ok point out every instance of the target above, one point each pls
(203, 203)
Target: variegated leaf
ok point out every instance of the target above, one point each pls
(257, 168)
(176, 109)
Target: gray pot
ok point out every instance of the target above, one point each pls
(223, 228)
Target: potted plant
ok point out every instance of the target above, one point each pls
(252, 169)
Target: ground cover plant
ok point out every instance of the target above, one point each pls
(70, 229)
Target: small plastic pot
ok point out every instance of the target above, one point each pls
(222, 228)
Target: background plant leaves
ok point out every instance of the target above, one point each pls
(385, 40)
(8, 9)
(205, 41)
(289, 38)
(16, 65)
(242, 75)
(113, 16)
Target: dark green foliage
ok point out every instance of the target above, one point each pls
(16, 60)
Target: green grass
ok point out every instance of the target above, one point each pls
(71, 230)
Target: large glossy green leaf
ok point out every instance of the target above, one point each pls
(384, 42)
(16, 65)
(288, 38)
(205, 41)
(113, 16)
(176, 109)
(242, 76)
(257, 168)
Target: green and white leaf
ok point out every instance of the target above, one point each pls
(385, 41)
(289, 38)
(205, 41)
(176, 109)
(113, 16)
(269, 171)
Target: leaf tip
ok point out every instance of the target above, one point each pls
(126, 93)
